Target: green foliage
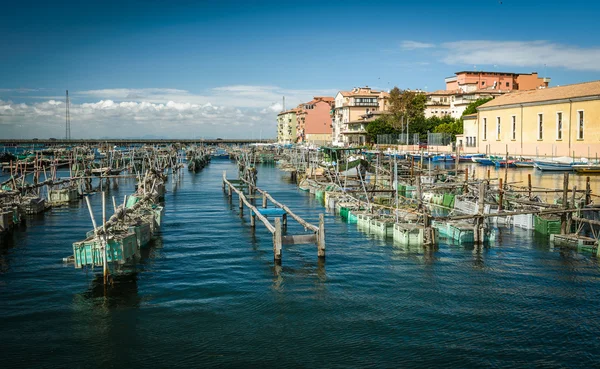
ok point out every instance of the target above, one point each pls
(472, 107)
(451, 126)
(406, 106)
(380, 126)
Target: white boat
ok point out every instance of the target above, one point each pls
(563, 163)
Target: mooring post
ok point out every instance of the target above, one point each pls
(230, 194)
(321, 237)
(572, 205)
(241, 206)
(466, 189)
(479, 236)
(565, 200)
(252, 219)
(264, 202)
(500, 195)
(284, 220)
(588, 193)
(277, 240)
(529, 184)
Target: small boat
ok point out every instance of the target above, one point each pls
(587, 168)
(220, 154)
(504, 163)
(442, 158)
(484, 160)
(564, 163)
(524, 164)
(467, 158)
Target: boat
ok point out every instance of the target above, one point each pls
(484, 160)
(467, 157)
(504, 163)
(587, 168)
(563, 163)
(442, 158)
(524, 163)
(220, 154)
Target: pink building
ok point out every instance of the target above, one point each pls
(314, 120)
(467, 81)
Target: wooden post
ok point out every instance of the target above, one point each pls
(529, 184)
(264, 200)
(500, 195)
(466, 189)
(321, 237)
(241, 206)
(230, 193)
(572, 205)
(565, 200)
(284, 220)
(488, 175)
(588, 193)
(252, 219)
(479, 236)
(277, 241)
(506, 169)
(104, 261)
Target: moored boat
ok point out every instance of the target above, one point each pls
(587, 168)
(563, 163)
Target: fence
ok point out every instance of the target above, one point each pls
(398, 139)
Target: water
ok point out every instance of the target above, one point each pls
(208, 294)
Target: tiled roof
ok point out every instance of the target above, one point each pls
(546, 94)
(443, 92)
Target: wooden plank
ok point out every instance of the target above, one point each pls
(298, 239)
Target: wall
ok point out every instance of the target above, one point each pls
(318, 119)
(527, 142)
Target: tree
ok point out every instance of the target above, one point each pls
(406, 106)
(380, 126)
(472, 107)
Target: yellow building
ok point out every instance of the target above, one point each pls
(556, 121)
(286, 126)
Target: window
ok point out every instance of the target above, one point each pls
(498, 128)
(507, 84)
(580, 124)
(514, 127)
(559, 126)
(482, 83)
(540, 126)
(484, 129)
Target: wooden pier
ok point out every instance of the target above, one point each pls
(317, 236)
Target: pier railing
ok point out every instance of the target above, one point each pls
(279, 239)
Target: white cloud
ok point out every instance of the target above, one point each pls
(522, 54)
(107, 118)
(413, 45)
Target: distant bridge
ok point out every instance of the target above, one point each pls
(131, 141)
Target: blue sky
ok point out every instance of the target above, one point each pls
(220, 68)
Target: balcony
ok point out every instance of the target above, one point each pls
(365, 104)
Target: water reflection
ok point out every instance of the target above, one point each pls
(120, 293)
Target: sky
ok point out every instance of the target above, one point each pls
(208, 69)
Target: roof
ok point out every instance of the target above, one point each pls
(364, 91)
(469, 116)
(295, 110)
(585, 89)
(495, 72)
(443, 92)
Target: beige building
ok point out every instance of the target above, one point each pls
(286, 126)
(349, 124)
(467, 141)
(438, 103)
(556, 121)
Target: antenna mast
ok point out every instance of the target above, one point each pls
(284, 103)
(67, 119)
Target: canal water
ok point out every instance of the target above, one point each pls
(206, 293)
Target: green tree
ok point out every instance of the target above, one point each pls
(472, 107)
(405, 107)
(380, 126)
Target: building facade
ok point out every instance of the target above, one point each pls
(314, 122)
(349, 125)
(469, 81)
(286, 126)
(557, 121)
